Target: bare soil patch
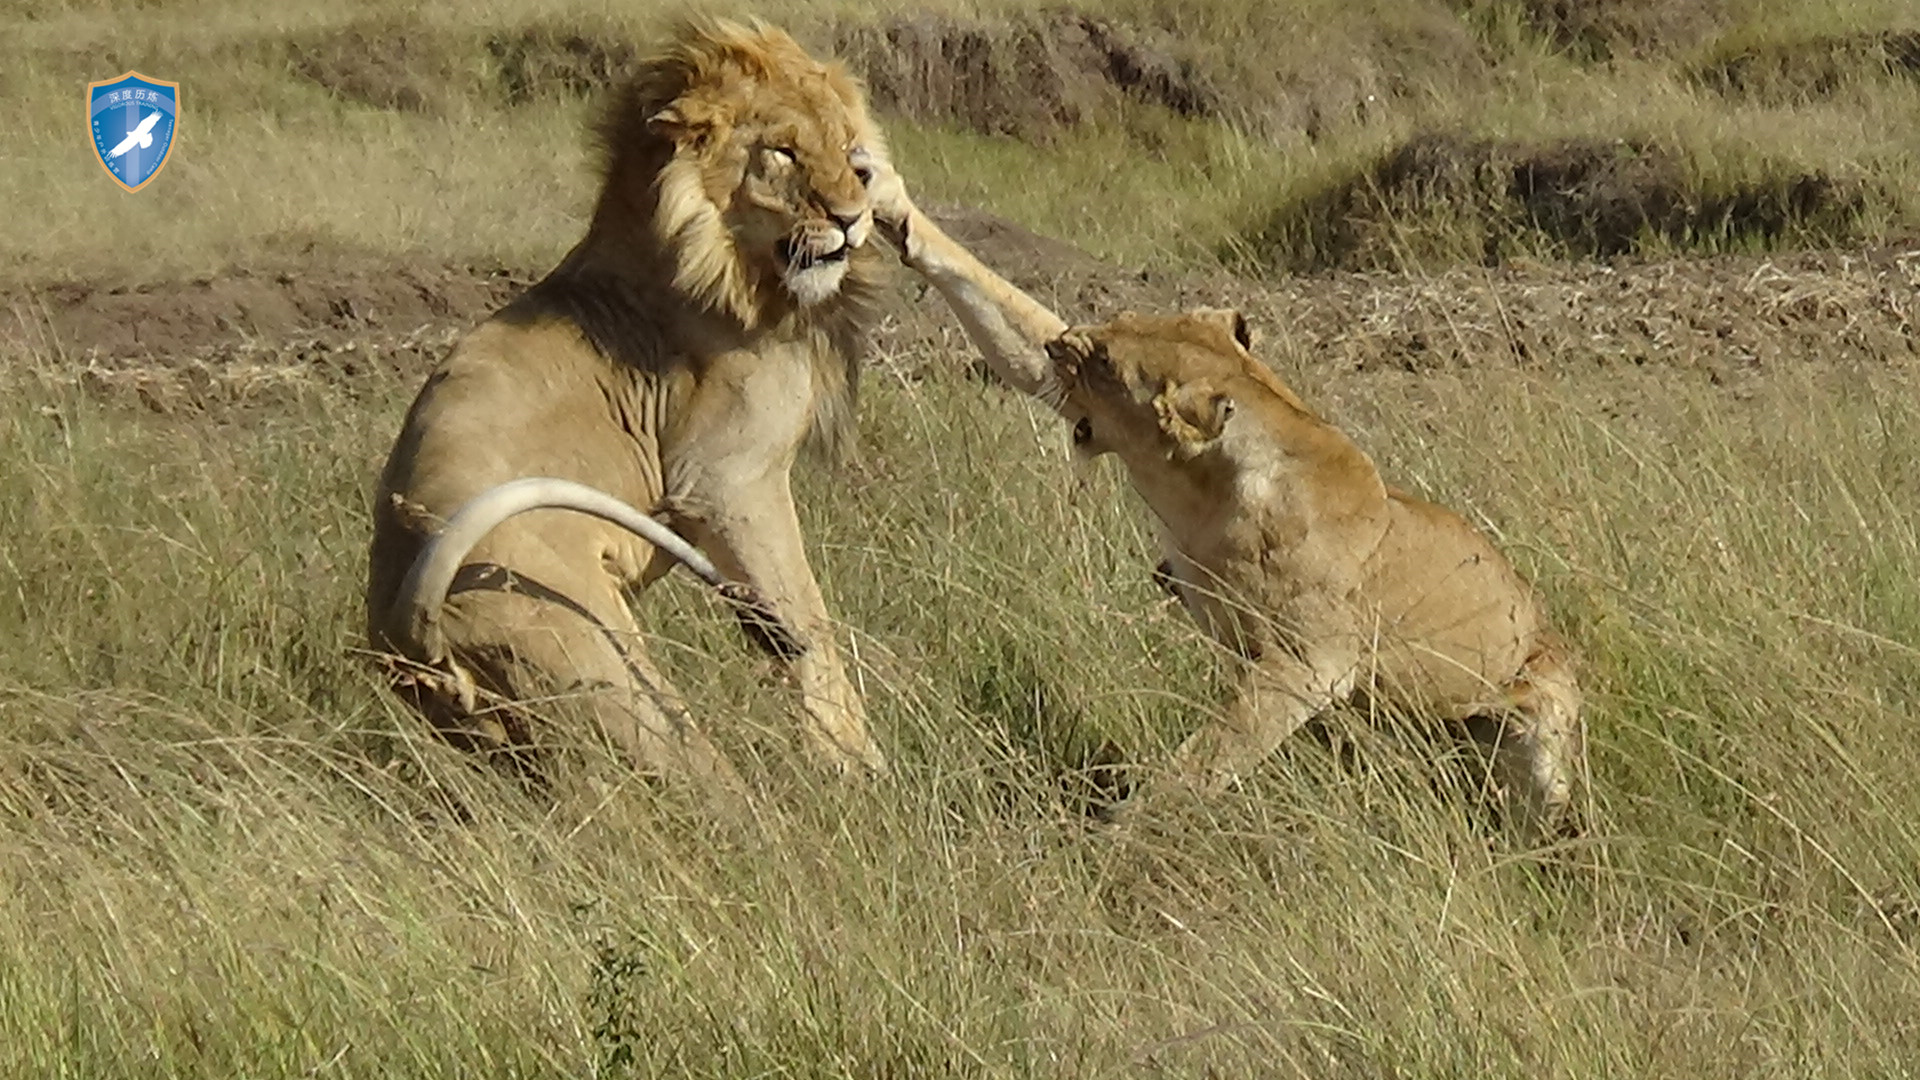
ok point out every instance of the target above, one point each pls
(1722, 316)
(206, 341)
(211, 342)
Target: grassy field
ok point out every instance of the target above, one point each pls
(224, 851)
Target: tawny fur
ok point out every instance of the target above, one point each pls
(1281, 539)
(707, 325)
(1283, 542)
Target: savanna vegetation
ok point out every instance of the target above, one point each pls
(225, 851)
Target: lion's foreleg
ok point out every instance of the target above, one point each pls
(754, 536)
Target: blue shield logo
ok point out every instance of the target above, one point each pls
(133, 120)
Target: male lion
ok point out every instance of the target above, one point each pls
(677, 359)
(1280, 538)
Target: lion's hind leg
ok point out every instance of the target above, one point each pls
(544, 655)
(468, 718)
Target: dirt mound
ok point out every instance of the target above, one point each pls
(388, 65)
(543, 61)
(1028, 76)
(1450, 197)
(1723, 316)
(1810, 68)
(206, 339)
(241, 336)
(1603, 29)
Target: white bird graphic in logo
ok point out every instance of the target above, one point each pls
(141, 136)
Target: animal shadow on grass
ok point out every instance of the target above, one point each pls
(1087, 774)
(1084, 771)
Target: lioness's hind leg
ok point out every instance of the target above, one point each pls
(1540, 743)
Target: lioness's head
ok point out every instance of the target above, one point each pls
(751, 153)
(1162, 384)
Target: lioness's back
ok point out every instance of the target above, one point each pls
(1439, 583)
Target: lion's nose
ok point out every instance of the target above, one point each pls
(845, 220)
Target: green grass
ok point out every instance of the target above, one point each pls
(227, 853)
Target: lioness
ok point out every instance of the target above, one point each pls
(676, 360)
(1280, 538)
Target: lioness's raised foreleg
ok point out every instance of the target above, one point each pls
(1010, 328)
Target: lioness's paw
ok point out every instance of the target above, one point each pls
(886, 193)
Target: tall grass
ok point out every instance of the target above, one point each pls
(226, 853)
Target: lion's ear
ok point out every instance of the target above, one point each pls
(682, 122)
(1193, 414)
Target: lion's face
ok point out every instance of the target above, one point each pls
(802, 206)
(1164, 385)
(768, 171)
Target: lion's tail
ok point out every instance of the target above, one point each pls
(417, 608)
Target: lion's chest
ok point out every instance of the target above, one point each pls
(745, 421)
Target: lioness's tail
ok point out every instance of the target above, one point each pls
(416, 610)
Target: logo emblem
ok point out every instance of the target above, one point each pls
(132, 119)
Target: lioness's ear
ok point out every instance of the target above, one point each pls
(1229, 320)
(1194, 413)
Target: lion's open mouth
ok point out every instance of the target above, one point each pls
(813, 277)
(797, 257)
